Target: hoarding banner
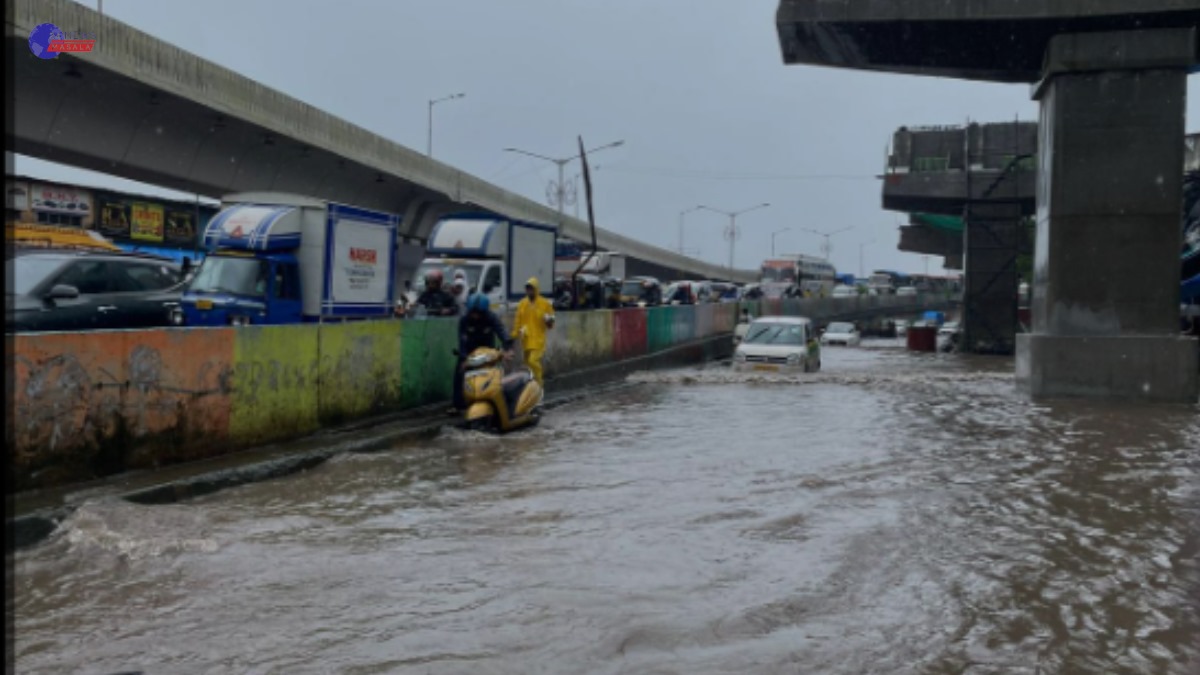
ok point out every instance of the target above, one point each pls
(180, 227)
(60, 199)
(114, 217)
(362, 254)
(146, 221)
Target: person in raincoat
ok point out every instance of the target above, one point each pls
(535, 315)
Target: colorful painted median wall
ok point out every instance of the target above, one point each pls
(93, 404)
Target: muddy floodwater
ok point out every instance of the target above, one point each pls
(895, 513)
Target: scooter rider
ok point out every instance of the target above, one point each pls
(435, 300)
(479, 327)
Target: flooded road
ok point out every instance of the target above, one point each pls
(895, 513)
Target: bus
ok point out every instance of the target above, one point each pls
(811, 275)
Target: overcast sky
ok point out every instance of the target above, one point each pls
(696, 89)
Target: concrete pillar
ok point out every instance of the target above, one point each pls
(1106, 269)
(991, 242)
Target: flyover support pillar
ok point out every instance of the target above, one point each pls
(991, 242)
(1107, 259)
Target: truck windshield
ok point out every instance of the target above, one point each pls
(472, 270)
(239, 276)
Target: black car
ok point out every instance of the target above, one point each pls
(69, 290)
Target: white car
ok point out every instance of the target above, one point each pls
(779, 343)
(841, 333)
(947, 336)
(845, 292)
(907, 290)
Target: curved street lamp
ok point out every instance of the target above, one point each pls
(731, 232)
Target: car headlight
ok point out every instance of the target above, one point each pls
(793, 359)
(739, 356)
(177, 317)
(239, 321)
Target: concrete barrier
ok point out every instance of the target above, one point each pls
(92, 404)
(276, 383)
(630, 334)
(88, 404)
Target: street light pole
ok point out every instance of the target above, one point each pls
(786, 229)
(681, 215)
(429, 139)
(861, 274)
(731, 232)
(560, 195)
(827, 247)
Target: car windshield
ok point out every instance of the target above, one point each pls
(226, 274)
(772, 333)
(472, 270)
(840, 328)
(27, 271)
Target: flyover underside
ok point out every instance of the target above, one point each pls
(948, 193)
(999, 42)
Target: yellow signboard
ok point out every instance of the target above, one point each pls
(146, 221)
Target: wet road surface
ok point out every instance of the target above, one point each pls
(895, 513)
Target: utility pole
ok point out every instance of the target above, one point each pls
(429, 140)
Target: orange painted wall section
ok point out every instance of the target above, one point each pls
(97, 403)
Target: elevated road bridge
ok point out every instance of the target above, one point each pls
(140, 108)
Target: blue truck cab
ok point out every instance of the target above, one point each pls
(238, 288)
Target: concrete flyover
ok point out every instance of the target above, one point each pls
(1111, 81)
(143, 109)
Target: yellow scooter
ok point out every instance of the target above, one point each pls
(497, 401)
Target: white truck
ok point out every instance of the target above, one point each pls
(277, 259)
(496, 254)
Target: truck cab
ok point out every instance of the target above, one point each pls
(496, 254)
(238, 288)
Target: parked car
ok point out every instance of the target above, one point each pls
(948, 336)
(844, 292)
(841, 333)
(778, 343)
(907, 290)
(72, 290)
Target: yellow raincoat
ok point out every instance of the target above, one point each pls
(530, 324)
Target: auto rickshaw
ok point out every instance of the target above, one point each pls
(641, 292)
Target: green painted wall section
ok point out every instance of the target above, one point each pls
(427, 361)
(658, 328)
(361, 369)
(275, 383)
